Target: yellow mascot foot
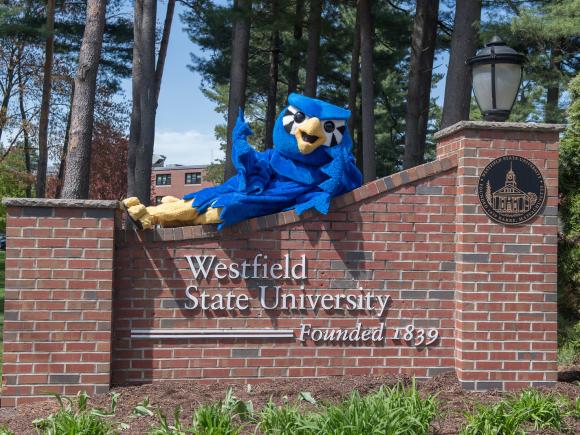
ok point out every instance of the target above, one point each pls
(130, 202)
(140, 217)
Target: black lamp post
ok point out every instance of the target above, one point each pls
(496, 73)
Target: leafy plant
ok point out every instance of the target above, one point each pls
(78, 419)
(143, 408)
(542, 410)
(165, 428)
(394, 410)
(286, 419)
(508, 416)
(213, 419)
(495, 419)
(5, 431)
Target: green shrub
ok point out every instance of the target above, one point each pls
(78, 419)
(397, 410)
(542, 410)
(283, 420)
(214, 419)
(5, 431)
(495, 419)
(508, 416)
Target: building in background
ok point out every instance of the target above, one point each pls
(176, 180)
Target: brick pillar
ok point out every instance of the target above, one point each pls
(506, 311)
(59, 284)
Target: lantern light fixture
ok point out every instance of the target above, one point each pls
(496, 72)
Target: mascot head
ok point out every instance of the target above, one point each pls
(307, 127)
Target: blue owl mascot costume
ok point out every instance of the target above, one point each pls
(311, 163)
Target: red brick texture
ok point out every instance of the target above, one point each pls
(419, 236)
(58, 309)
(506, 317)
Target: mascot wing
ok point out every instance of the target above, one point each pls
(253, 166)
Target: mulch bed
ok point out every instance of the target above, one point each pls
(189, 394)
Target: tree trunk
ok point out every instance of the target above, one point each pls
(25, 127)
(551, 110)
(420, 71)
(313, 50)
(60, 180)
(78, 159)
(295, 57)
(353, 90)
(367, 90)
(7, 88)
(135, 127)
(148, 103)
(163, 49)
(464, 42)
(238, 74)
(45, 104)
(272, 80)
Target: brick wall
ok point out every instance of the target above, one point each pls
(59, 278)
(506, 276)
(419, 236)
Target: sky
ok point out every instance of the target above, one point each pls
(184, 128)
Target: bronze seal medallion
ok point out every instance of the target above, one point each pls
(511, 190)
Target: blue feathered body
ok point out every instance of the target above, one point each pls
(274, 180)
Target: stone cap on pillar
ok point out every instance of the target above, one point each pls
(449, 139)
(504, 126)
(60, 203)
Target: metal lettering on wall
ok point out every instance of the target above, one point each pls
(511, 190)
(275, 297)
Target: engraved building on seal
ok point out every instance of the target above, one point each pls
(509, 199)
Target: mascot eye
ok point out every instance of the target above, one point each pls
(299, 117)
(334, 130)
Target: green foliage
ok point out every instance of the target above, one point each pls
(209, 25)
(13, 179)
(511, 416)
(542, 410)
(494, 419)
(5, 431)
(388, 411)
(569, 240)
(164, 428)
(283, 420)
(568, 341)
(78, 419)
(218, 418)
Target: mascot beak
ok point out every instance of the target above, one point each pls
(309, 136)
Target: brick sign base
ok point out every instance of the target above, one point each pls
(89, 304)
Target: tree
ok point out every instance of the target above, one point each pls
(464, 42)
(353, 88)
(367, 85)
(78, 160)
(238, 73)
(147, 98)
(420, 74)
(163, 49)
(312, 54)
(45, 105)
(135, 128)
(273, 77)
(295, 48)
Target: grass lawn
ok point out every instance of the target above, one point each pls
(2, 258)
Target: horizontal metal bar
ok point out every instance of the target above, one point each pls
(210, 331)
(214, 336)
